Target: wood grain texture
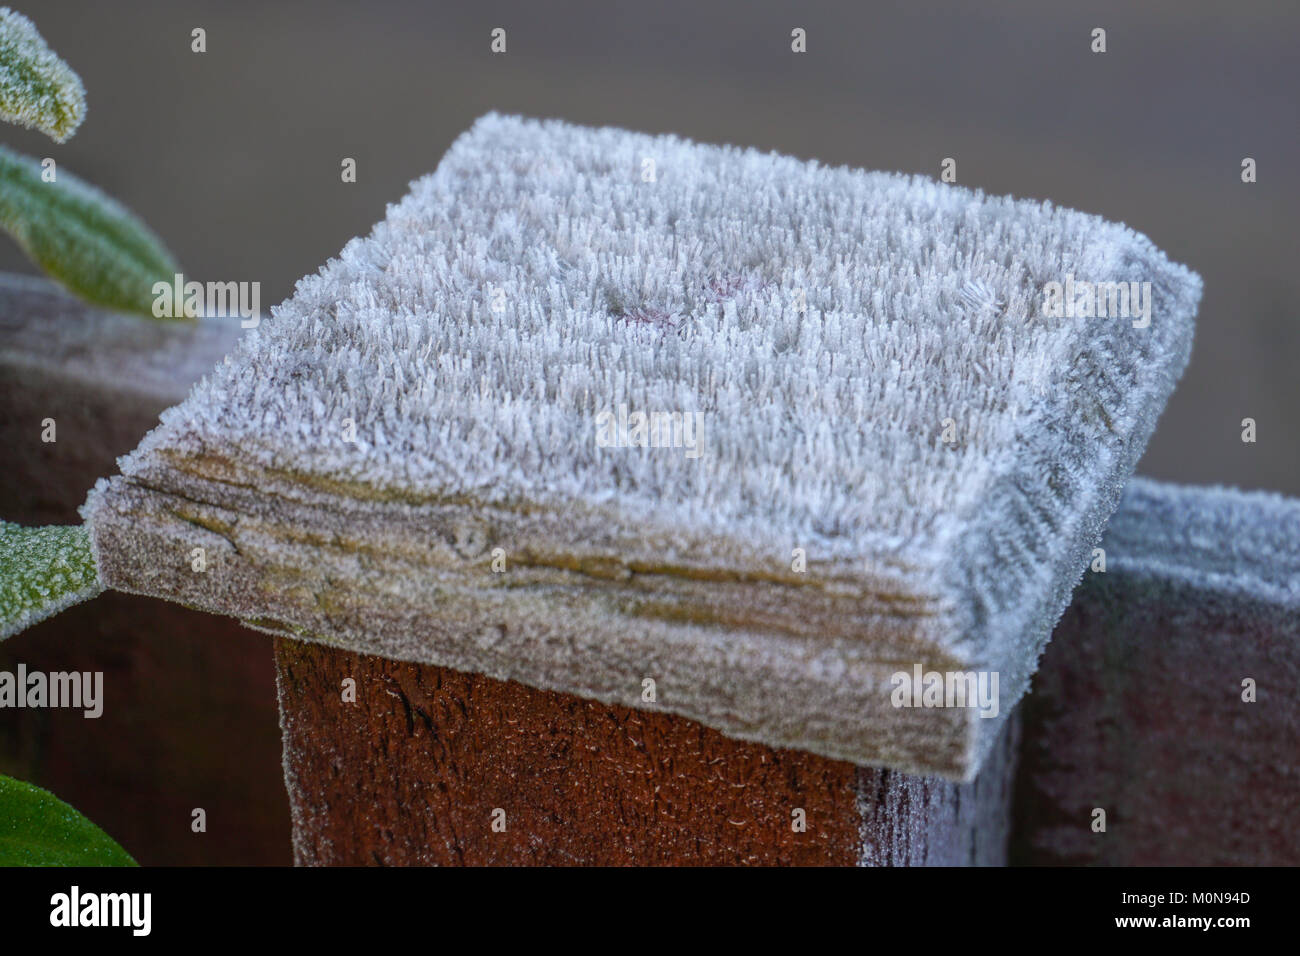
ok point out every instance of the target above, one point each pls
(412, 771)
(928, 821)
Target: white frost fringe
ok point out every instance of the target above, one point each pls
(874, 376)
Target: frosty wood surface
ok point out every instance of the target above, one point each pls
(421, 454)
(1140, 706)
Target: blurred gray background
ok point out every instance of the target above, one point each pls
(233, 155)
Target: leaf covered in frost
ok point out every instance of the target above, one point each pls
(42, 571)
(92, 245)
(37, 89)
(39, 829)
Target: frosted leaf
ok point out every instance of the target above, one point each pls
(37, 89)
(42, 571)
(92, 245)
(39, 829)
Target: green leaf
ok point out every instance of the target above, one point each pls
(37, 89)
(88, 242)
(42, 571)
(39, 829)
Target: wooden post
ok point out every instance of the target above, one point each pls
(1167, 698)
(189, 711)
(413, 764)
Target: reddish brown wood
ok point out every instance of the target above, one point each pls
(412, 771)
